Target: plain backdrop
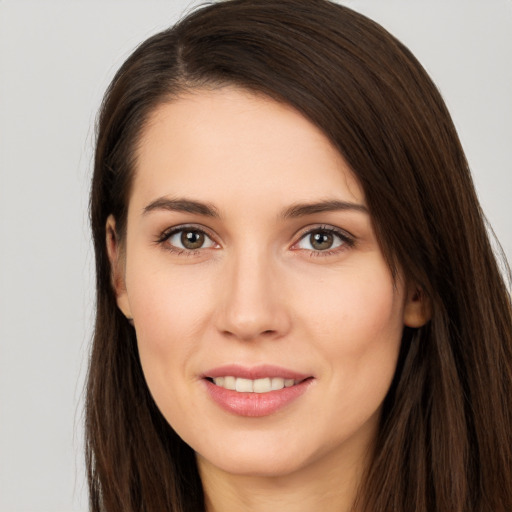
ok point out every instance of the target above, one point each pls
(56, 59)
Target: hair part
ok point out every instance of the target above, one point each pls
(445, 441)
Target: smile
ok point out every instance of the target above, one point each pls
(264, 385)
(256, 391)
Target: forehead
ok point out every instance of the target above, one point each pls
(228, 143)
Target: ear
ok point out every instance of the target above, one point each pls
(417, 311)
(117, 267)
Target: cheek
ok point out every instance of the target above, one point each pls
(170, 310)
(360, 304)
(358, 323)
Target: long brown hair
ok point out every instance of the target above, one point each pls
(445, 442)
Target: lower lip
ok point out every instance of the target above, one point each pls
(255, 404)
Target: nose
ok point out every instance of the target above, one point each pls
(252, 301)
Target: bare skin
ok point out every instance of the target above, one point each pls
(249, 244)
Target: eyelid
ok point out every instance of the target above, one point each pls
(348, 239)
(169, 232)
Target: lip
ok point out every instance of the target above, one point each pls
(255, 372)
(255, 404)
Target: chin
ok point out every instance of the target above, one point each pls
(255, 465)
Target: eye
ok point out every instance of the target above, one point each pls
(323, 240)
(187, 239)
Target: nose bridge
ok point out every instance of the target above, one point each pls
(252, 304)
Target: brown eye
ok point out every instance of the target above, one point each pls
(321, 240)
(188, 239)
(192, 239)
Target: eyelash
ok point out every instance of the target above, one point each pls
(168, 233)
(347, 240)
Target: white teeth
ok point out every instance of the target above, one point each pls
(253, 386)
(229, 383)
(244, 385)
(277, 383)
(262, 385)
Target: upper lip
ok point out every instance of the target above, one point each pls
(254, 372)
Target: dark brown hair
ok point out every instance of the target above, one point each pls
(445, 442)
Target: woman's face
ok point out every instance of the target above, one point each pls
(251, 263)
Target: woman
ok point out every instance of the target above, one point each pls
(298, 305)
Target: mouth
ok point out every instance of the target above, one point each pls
(264, 385)
(257, 391)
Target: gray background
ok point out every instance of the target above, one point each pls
(56, 59)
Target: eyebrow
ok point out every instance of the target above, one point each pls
(292, 212)
(182, 205)
(329, 205)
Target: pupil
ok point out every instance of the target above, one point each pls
(192, 239)
(321, 241)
